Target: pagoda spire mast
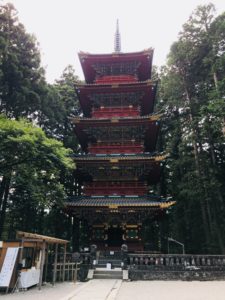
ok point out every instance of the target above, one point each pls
(117, 40)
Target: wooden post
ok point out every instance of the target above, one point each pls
(55, 264)
(60, 271)
(46, 264)
(75, 275)
(64, 262)
(75, 234)
(21, 251)
(72, 273)
(42, 263)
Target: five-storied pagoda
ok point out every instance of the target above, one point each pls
(117, 133)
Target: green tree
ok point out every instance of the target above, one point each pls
(30, 165)
(57, 107)
(59, 104)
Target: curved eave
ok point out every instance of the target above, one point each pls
(144, 57)
(118, 158)
(146, 102)
(114, 204)
(148, 51)
(118, 120)
(115, 85)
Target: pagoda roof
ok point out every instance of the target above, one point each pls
(146, 89)
(119, 167)
(125, 120)
(143, 61)
(84, 128)
(119, 201)
(113, 158)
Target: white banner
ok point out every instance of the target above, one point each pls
(8, 266)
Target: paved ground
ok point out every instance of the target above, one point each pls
(118, 290)
(172, 290)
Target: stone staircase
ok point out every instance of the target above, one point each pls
(103, 273)
(115, 263)
(108, 266)
(108, 257)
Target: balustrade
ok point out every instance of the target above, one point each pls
(176, 260)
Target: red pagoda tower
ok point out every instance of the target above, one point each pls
(118, 134)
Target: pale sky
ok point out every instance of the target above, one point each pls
(63, 28)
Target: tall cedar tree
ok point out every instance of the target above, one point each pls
(192, 96)
(21, 77)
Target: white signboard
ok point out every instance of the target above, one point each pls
(8, 266)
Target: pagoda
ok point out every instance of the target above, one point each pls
(117, 133)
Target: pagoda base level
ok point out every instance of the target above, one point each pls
(111, 234)
(112, 237)
(132, 246)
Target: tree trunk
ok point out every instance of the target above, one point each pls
(215, 79)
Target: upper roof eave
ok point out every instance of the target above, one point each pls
(150, 118)
(115, 204)
(116, 85)
(148, 51)
(114, 158)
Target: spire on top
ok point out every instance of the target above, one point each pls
(117, 41)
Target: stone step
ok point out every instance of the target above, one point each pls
(116, 263)
(103, 265)
(104, 271)
(109, 258)
(108, 274)
(105, 260)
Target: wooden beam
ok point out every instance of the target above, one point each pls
(48, 239)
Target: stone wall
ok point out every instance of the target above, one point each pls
(135, 274)
(176, 267)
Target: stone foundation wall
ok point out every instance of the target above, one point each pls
(200, 275)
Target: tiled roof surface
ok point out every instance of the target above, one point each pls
(144, 156)
(104, 201)
(150, 117)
